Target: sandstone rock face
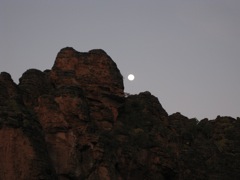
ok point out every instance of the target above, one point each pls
(24, 154)
(92, 69)
(86, 91)
(73, 122)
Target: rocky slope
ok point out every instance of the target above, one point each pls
(74, 122)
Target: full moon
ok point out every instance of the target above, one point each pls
(131, 77)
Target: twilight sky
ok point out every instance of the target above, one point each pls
(185, 52)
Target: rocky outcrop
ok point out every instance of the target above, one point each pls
(24, 153)
(208, 149)
(73, 122)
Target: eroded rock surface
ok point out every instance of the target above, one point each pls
(73, 122)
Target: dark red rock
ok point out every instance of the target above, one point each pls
(23, 149)
(73, 122)
(33, 84)
(8, 89)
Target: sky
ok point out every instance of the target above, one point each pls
(185, 52)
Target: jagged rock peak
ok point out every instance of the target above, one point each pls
(33, 84)
(70, 49)
(5, 75)
(7, 86)
(73, 122)
(89, 69)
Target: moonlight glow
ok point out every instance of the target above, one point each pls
(131, 77)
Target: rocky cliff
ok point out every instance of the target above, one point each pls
(74, 122)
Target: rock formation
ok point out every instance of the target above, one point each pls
(74, 122)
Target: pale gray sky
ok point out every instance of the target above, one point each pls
(185, 52)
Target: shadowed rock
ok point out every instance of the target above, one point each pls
(73, 122)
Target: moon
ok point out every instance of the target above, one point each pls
(131, 77)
